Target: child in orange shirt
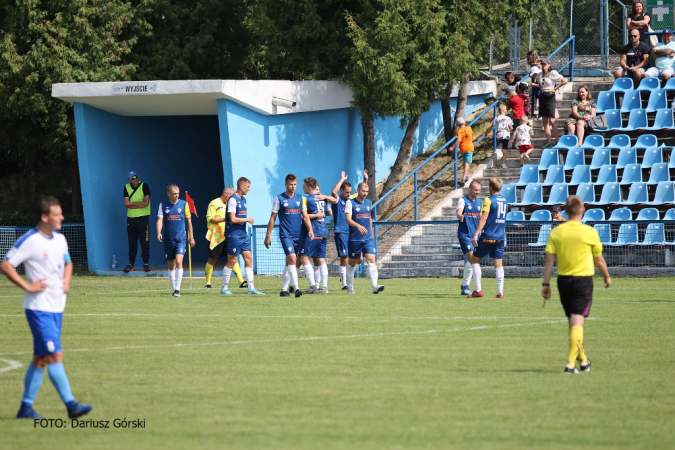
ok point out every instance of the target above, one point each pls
(465, 142)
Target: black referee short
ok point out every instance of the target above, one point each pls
(576, 294)
(218, 250)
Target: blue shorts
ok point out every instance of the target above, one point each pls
(356, 248)
(290, 246)
(317, 247)
(465, 243)
(467, 157)
(236, 245)
(46, 329)
(341, 243)
(494, 248)
(173, 248)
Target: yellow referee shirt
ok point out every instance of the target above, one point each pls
(216, 232)
(575, 244)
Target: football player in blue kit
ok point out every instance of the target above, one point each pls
(468, 213)
(173, 215)
(316, 210)
(491, 243)
(361, 243)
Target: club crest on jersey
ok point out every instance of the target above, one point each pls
(180, 210)
(358, 209)
(469, 207)
(285, 204)
(290, 249)
(166, 210)
(297, 203)
(45, 255)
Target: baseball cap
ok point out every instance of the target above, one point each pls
(131, 174)
(556, 208)
(546, 61)
(510, 88)
(667, 31)
(460, 121)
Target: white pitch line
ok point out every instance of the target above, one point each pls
(12, 365)
(300, 339)
(256, 316)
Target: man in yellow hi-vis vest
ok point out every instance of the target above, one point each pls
(137, 202)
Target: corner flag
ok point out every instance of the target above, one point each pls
(193, 209)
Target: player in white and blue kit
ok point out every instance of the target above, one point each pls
(361, 243)
(288, 206)
(468, 213)
(44, 253)
(238, 240)
(491, 242)
(315, 210)
(173, 215)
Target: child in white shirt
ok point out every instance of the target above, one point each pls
(503, 128)
(521, 138)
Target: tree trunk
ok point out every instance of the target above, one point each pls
(76, 206)
(447, 113)
(400, 168)
(367, 124)
(462, 98)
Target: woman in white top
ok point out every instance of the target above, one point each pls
(548, 81)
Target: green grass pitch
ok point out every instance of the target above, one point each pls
(418, 366)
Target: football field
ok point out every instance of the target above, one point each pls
(418, 366)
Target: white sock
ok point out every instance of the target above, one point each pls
(343, 275)
(372, 273)
(468, 273)
(249, 278)
(172, 278)
(227, 272)
(324, 275)
(317, 276)
(179, 278)
(293, 272)
(350, 276)
(477, 275)
(309, 272)
(285, 278)
(499, 272)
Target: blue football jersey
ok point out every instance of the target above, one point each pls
(238, 206)
(315, 206)
(471, 216)
(495, 227)
(289, 211)
(339, 216)
(360, 214)
(173, 217)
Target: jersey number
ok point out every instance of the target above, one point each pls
(501, 210)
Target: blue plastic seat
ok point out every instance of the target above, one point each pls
(654, 235)
(549, 157)
(663, 120)
(605, 102)
(541, 215)
(632, 173)
(627, 155)
(614, 120)
(649, 84)
(515, 216)
(607, 174)
(509, 193)
(637, 120)
(631, 101)
(621, 214)
(586, 191)
(611, 194)
(669, 215)
(652, 155)
(594, 215)
(671, 163)
(575, 157)
(659, 172)
(594, 141)
(622, 85)
(646, 141)
(581, 174)
(604, 231)
(529, 173)
(670, 84)
(619, 141)
(564, 215)
(531, 196)
(628, 235)
(600, 157)
(648, 214)
(665, 194)
(558, 195)
(554, 174)
(637, 195)
(567, 141)
(657, 100)
(542, 238)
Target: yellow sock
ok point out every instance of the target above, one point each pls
(576, 346)
(208, 270)
(237, 271)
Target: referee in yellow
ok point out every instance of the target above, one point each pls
(215, 217)
(578, 248)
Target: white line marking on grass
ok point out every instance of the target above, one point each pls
(301, 339)
(255, 316)
(12, 365)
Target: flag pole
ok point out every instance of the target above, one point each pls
(189, 259)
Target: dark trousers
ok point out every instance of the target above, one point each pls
(138, 230)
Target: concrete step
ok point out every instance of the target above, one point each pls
(429, 259)
(420, 272)
(442, 229)
(419, 264)
(433, 240)
(426, 249)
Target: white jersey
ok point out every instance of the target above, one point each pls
(45, 258)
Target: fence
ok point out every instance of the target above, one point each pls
(74, 233)
(430, 249)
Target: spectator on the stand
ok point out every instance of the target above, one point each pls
(522, 93)
(511, 79)
(549, 81)
(639, 20)
(583, 107)
(664, 54)
(634, 58)
(516, 104)
(503, 128)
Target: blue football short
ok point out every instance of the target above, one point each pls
(317, 247)
(465, 243)
(236, 245)
(356, 248)
(494, 248)
(173, 248)
(290, 246)
(341, 243)
(46, 329)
